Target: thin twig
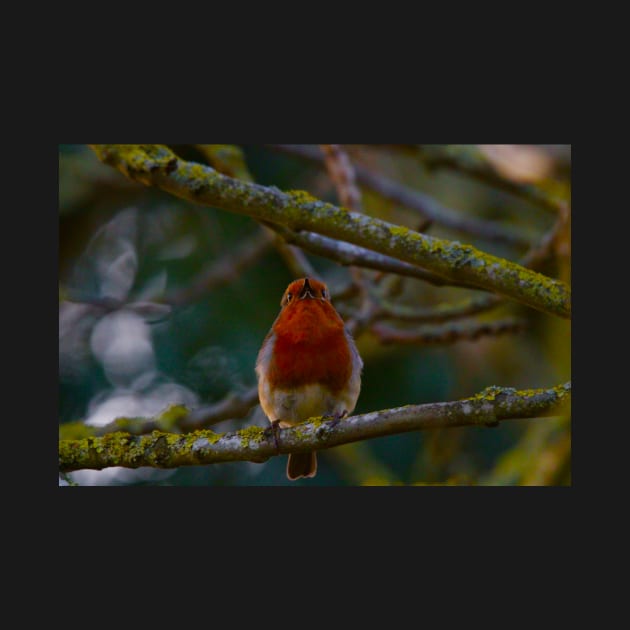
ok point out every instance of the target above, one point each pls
(441, 312)
(176, 418)
(294, 258)
(449, 332)
(234, 405)
(223, 271)
(348, 254)
(471, 162)
(342, 173)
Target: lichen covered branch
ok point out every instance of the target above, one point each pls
(156, 165)
(348, 254)
(170, 450)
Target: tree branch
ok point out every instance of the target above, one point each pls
(156, 165)
(342, 173)
(440, 312)
(223, 270)
(415, 200)
(473, 305)
(169, 450)
(447, 332)
(471, 162)
(347, 254)
(230, 160)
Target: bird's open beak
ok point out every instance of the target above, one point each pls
(307, 290)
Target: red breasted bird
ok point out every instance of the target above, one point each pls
(308, 365)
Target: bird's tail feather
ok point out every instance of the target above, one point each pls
(301, 465)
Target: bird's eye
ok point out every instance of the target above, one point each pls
(325, 294)
(289, 297)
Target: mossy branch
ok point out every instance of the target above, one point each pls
(170, 450)
(348, 254)
(156, 165)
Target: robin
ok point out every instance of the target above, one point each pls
(308, 365)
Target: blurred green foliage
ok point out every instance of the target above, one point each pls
(144, 244)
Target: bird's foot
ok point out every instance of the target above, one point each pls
(273, 430)
(333, 419)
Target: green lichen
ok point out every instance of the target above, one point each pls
(528, 393)
(131, 424)
(170, 417)
(318, 421)
(300, 431)
(118, 445)
(137, 161)
(522, 399)
(491, 392)
(422, 239)
(251, 434)
(74, 431)
(301, 197)
(159, 449)
(205, 434)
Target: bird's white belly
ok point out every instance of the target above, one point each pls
(301, 403)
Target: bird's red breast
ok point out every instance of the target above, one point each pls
(310, 346)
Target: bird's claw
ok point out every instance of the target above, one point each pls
(335, 418)
(273, 431)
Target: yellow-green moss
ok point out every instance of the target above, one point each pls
(300, 431)
(399, 230)
(251, 434)
(75, 431)
(490, 393)
(318, 421)
(301, 197)
(170, 417)
(137, 161)
(209, 435)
